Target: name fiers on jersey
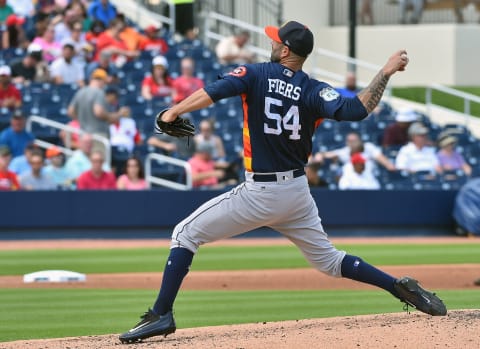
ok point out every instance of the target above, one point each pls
(285, 89)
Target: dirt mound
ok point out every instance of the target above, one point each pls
(459, 329)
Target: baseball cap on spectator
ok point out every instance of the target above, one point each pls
(417, 128)
(14, 20)
(151, 29)
(160, 60)
(5, 70)
(445, 140)
(99, 74)
(294, 35)
(34, 50)
(18, 114)
(406, 115)
(357, 158)
(52, 152)
(4, 150)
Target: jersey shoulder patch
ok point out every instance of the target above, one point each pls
(328, 94)
(239, 72)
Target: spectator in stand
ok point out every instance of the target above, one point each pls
(66, 70)
(21, 164)
(129, 35)
(96, 29)
(159, 83)
(105, 64)
(8, 179)
(133, 177)
(10, 96)
(417, 155)
(56, 168)
(24, 70)
(366, 12)
(396, 134)
(416, 5)
(186, 83)
(111, 41)
(206, 135)
(353, 144)
(15, 32)
(448, 158)
(76, 38)
(232, 50)
(5, 11)
(358, 177)
(51, 49)
(36, 179)
(89, 107)
(15, 136)
(123, 132)
(350, 90)
(79, 162)
(103, 11)
(73, 141)
(78, 11)
(204, 173)
(152, 42)
(96, 178)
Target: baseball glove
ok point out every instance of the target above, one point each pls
(177, 128)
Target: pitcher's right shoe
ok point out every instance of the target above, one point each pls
(411, 293)
(150, 325)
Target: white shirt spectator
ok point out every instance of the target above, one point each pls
(370, 153)
(353, 180)
(71, 73)
(122, 134)
(413, 159)
(230, 52)
(23, 8)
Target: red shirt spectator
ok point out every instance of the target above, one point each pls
(186, 83)
(8, 179)
(96, 178)
(152, 42)
(110, 40)
(203, 167)
(10, 96)
(159, 83)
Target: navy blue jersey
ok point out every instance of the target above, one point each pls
(282, 109)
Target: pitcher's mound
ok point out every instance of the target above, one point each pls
(459, 329)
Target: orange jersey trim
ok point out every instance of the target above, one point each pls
(247, 147)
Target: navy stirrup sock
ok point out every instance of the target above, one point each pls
(357, 269)
(178, 264)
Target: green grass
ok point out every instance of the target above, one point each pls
(225, 258)
(417, 94)
(48, 313)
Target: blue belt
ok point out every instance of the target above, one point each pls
(270, 177)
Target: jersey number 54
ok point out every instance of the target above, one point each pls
(290, 121)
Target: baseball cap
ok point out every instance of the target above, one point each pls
(52, 151)
(151, 29)
(14, 20)
(406, 115)
(417, 128)
(446, 140)
(18, 114)
(160, 60)
(357, 158)
(99, 74)
(5, 70)
(294, 35)
(4, 150)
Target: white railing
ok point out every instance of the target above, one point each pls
(165, 182)
(136, 11)
(468, 99)
(69, 130)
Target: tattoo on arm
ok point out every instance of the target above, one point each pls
(371, 95)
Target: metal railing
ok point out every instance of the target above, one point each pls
(467, 98)
(166, 182)
(148, 12)
(69, 130)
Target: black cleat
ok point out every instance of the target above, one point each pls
(414, 295)
(150, 325)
